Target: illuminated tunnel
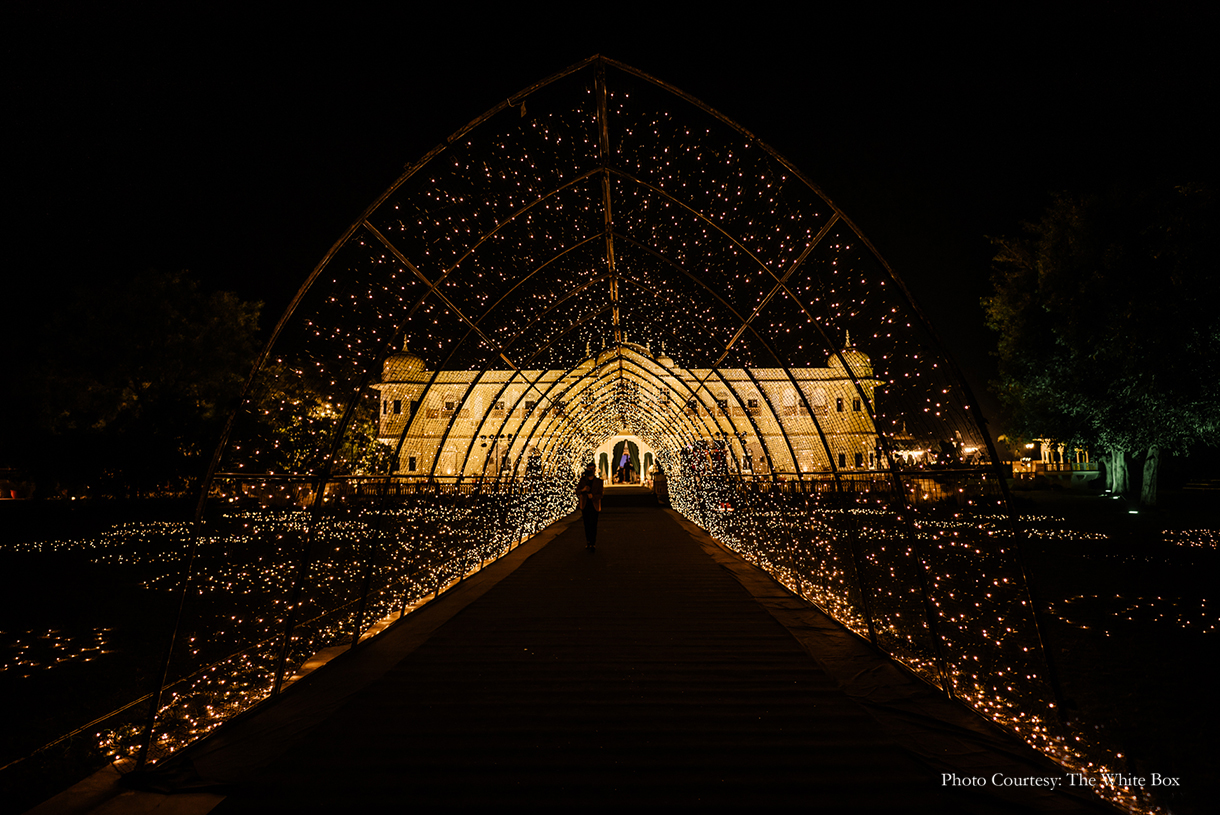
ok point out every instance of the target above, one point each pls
(598, 259)
(601, 254)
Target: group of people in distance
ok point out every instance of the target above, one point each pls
(623, 474)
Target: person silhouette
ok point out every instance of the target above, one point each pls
(589, 492)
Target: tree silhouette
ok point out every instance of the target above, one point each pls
(1108, 336)
(130, 384)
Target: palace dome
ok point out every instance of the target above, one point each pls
(402, 365)
(856, 360)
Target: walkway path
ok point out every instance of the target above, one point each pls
(642, 672)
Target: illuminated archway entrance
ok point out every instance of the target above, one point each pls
(610, 452)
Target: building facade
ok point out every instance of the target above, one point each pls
(773, 421)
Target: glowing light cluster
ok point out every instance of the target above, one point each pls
(133, 536)
(1172, 613)
(1198, 538)
(32, 652)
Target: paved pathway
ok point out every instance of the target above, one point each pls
(643, 672)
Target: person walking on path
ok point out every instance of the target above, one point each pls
(589, 492)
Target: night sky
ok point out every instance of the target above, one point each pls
(240, 146)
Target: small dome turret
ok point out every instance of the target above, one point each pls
(402, 365)
(856, 360)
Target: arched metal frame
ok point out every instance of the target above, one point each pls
(507, 249)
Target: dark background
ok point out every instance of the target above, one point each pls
(240, 145)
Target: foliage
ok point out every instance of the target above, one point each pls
(135, 381)
(1105, 312)
(297, 416)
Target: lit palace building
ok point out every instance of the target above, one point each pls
(774, 422)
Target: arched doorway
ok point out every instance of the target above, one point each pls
(611, 452)
(626, 460)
